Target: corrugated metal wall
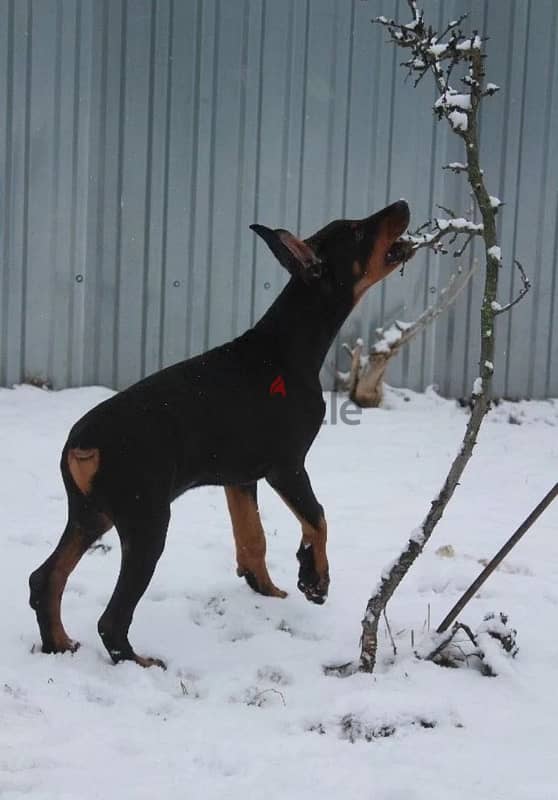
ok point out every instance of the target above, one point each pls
(140, 138)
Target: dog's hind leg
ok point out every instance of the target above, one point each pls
(47, 583)
(249, 539)
(142, 538)
(293, 485)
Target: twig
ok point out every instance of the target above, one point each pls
(459, 253)
(456, 166)
(456, 284)
(450, 212)
(498, 558)
(441, 229)
(364, 381)
(390, 634)
(497, 308)
(448, 640)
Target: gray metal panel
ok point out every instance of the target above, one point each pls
(140, 138)
(539, 179)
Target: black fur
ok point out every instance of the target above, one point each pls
(213, 420)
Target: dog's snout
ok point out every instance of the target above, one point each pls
(397, 216)
(400, 210)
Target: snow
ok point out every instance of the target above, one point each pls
(417, 535)
(458, 224)
(412, 25)
(495, 252)
(437, 50)
(453, 99)
(495, 202)
(382, 346)
(244, 707)
(475, 43)
(477, 387)
(390, 336)
(491, 88)
(458, 120)
(403, 326)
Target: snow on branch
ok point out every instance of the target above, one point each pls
(364, 381)
(440, 229)
(439, 53)
(399, 333)
(456, 166)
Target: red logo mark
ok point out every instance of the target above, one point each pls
(278, 386)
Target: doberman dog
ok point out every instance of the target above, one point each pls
(246, 410)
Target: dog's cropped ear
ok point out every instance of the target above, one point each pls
(294, 254)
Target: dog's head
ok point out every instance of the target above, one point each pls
(346, 257)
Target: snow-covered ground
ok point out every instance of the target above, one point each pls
(244, 710)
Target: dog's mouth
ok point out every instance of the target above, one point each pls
(400, 251)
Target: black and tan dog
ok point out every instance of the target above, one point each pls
(247, 410)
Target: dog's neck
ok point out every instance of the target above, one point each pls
(301, 326)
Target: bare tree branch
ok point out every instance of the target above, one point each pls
(498, 558)
(457, 282)
(440, 230)
(430, 54)
(364, 381)
(526, 285)
(458, 253)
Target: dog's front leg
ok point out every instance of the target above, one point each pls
(293, 485)
(249, 539)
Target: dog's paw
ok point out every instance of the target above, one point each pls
(146, 661)
(314, 594)
(65, 645)
(267, 588)
(313, 586)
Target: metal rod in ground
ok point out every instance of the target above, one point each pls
(498, 558)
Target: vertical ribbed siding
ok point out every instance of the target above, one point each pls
(6, 188)
(140, 138)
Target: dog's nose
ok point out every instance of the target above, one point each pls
(400, 209)
(397, 217)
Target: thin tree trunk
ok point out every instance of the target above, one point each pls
(483, 386)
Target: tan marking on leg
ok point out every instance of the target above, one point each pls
(317, 537)
(83, 466)
(249, 539)
(66, 562)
